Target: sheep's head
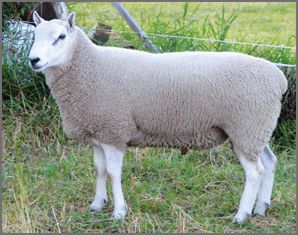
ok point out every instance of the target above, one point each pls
(51, 43)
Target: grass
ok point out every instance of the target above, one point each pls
(48, 181)
(48, 184)
(269, 23)
(252, 18)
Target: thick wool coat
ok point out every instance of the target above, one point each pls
(186, 99)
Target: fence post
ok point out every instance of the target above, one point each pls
(134, 25)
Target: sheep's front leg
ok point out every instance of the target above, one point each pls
(114, 159)
(254, 171)
(101, 178)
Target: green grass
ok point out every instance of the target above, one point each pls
(48, 184)
(259, 22)
(269, 23)
(48, 181)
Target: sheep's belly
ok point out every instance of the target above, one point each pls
(211, 138)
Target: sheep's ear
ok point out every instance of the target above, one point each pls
(37, 19)
(71, 19)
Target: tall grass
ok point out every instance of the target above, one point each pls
(19, 81)
(187, 23)
(48, 184)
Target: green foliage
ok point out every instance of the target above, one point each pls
(284, 136)
(288, 111)
(233, 21)
(19, 81)
(15, 10)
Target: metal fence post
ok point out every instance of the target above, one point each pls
(134, 25)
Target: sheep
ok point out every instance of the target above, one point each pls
(114, 98)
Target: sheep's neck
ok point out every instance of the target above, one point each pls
(65, 81)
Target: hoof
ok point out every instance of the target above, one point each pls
(97, 206)
(261, 209)
(240, 219)
(120, 213)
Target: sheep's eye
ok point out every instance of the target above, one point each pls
(62, 36)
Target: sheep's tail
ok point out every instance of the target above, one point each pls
(283, 82)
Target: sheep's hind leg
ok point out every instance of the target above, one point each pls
(253, 176)
(264, 195)
(101, 178)
(114, 159)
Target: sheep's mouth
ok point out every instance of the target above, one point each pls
(39, 68)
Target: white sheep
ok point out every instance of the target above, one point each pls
(113, 98)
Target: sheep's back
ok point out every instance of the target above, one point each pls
(187, 96)
(192, 99)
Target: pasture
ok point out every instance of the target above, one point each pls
(48, 181)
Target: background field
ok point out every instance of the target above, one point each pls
(256, 22)
(48, 181)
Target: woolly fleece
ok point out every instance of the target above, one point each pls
(195, 100)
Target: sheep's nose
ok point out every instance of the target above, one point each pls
(34, 60)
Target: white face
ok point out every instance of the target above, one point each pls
(51, 43)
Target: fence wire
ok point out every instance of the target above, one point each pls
(225, 42)
(209, 40)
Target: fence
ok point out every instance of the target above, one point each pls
(166, 36)
(225, 44)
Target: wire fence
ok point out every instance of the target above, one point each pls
(210, 40)
(167, 36)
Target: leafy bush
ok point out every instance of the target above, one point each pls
(288, 111)
(15, 10)
(19, 81)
